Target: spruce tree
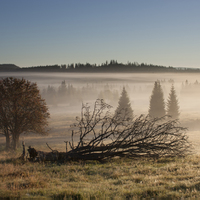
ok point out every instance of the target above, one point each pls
(157, 104)
(172, 104)
(124, 110)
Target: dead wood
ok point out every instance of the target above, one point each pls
(35, 155)
(103, 136)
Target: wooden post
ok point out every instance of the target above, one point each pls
(66, 146)
(24, 151)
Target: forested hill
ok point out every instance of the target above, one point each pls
(112, 66)
(9, 67)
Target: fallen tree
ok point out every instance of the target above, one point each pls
(99, 135)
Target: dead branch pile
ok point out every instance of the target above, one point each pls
(102, 136)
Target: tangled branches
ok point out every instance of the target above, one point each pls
(102, 136)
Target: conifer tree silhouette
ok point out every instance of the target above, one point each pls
(124, 110)
(157, 104)
(172, 104)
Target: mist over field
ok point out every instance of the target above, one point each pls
(87, 87)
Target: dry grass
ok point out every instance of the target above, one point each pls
(118, 179)
(123, 178)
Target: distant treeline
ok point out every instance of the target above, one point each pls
(112, 66)
(71, 95)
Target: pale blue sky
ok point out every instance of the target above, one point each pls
(46, 32)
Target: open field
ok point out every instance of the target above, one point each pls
(116, 179)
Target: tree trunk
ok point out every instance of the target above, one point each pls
(15, 141)
(7, 141)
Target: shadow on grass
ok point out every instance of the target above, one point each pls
(67, 196)
(10, 156)
(184, 187)
(2, 148)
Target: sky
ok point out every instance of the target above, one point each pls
(48, 32)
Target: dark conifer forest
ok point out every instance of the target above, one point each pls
(112, 66)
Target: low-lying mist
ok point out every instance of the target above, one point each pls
(65, 93)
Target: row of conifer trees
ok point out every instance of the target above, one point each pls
(157, 104)
(157, 108)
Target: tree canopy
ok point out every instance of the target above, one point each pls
(22, 109)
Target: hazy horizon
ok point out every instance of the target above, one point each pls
(139, 87)
(88, 87)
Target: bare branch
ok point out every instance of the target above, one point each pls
(143, 136)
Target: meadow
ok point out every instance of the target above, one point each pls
(176, 178)
(119, 178)
(164, 178)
